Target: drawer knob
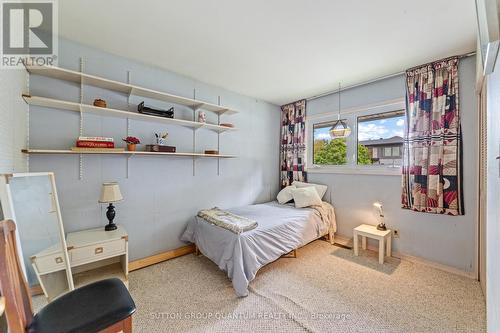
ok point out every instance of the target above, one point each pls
(98, 250)
(59, 260)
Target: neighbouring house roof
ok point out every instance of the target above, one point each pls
(380, 142)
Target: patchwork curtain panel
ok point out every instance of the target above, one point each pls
(432, 166)
(293, 146)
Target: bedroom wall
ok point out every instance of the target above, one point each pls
(493, 202)
(13, 120)
(446, 240)
(161, 194)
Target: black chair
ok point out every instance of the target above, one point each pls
(104, 306)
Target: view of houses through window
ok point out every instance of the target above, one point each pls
(382, 136)
(379, 141)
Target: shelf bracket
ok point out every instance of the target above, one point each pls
(81, 98)
(218, 138)
(128, 103)
(80, 167)
(80, 172)
(194, 134)
(27, 119)
(127, 166)
(196, 107)
(129, 80)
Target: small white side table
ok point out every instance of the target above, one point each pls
(371, 231)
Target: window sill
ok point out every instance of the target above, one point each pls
(353, 170)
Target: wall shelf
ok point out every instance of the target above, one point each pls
(127, 153)
(128, 89)
(87, 79)
(78, 107)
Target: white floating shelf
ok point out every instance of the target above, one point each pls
(114, 152)
(77, 107)
(87, 79)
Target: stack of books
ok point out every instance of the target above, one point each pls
(95, 143)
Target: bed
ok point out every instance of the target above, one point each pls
(281, 229)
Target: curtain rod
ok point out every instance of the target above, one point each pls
(466, 55)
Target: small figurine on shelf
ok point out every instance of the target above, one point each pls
(202, 117)
(161, 138)
(132, 142)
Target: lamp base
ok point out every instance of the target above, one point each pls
(382, 227)
(110, 214)
(110, 227)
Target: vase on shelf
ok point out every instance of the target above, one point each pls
(131, 142)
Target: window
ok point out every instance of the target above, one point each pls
(380, 138)
(328, 151)
(374, 128)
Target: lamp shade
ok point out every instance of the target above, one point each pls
(340, 130)
(379, 206)
(110, 193)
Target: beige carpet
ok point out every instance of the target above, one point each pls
(325, 289)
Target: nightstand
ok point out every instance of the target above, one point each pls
(370, 231)
(94, 255)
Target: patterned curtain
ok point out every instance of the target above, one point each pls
(432, 168)
(293, 148)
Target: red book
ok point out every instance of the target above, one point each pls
(94, 144)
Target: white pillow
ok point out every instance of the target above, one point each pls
(321, 189)
(305, 197)
(285, 195)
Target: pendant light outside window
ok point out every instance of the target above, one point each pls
(339, 129)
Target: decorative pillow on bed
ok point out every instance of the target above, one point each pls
(305, 197)
(285, 195)
(321, 189)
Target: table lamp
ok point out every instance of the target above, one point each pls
(381, 225)
(110, 193)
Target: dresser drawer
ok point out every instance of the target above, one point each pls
(49, 263)
(91, 253)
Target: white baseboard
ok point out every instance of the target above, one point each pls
(347, 242)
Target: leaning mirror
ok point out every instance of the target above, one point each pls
(30, 200)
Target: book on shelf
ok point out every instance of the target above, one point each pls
(94, 144)
(95, 138)
(96, 149)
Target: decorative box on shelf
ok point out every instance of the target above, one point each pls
(160, 148)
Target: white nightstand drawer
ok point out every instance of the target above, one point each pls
(95, 252)
(49, 263)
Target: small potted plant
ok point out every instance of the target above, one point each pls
(132, 142)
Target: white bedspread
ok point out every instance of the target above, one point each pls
(281, 229)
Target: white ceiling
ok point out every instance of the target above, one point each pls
(275, 50)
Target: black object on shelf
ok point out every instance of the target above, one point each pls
(154, 112)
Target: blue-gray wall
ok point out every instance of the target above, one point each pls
(161, 194)
(443, 239)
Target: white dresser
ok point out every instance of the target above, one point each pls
(94, 255)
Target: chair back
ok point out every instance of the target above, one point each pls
(13, 286)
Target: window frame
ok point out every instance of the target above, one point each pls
(351, 115)
(312, 147)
